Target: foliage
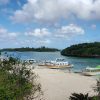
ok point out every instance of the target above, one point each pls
(41, 49)
(97, 88)
(80, 96)
(7, 64)
(83, 50)
(76, 96)
(17, 82)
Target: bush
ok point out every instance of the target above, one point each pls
(76, 96)
(17, 82)
(97, 89)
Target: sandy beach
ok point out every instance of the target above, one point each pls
(58, 85)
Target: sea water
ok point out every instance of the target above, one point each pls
(79, 63)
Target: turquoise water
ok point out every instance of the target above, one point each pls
(79, 63)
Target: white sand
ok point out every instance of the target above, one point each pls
(58, 85)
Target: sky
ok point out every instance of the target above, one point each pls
(50, 23)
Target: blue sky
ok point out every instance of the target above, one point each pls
(50, 23)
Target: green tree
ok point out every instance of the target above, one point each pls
(83, 50)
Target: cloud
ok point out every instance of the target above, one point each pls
(4, 34)
(18, 3)
(50, 11)
(33, 42)
(12, 35)
(38, 32)
(69, 31)
(93, 26)
(2, 31)
(3, 2)
(43, 42)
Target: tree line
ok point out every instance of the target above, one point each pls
(83, 50)
(24, 49)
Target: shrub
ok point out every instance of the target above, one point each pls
(80, 96)
(97, 89)
(17, 82)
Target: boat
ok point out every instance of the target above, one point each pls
(31, 61)
(56, 64)
(89, 71)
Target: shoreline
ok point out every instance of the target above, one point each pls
(59, 85)
(82, 56)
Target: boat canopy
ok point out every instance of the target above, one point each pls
(60, 59)
(30, 60)
(97, 68)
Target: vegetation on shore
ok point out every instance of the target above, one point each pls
(83, 50)
(17, 82)
(41, 49)
(80, 96)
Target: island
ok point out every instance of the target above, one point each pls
(28, 49)
(83, 50)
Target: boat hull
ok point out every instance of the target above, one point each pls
(91, 73)
(59, 67)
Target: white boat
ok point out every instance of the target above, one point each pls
(89, 71)
(30, 61)
(56, 64)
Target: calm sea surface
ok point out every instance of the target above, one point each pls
(79, 63)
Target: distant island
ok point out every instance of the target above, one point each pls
(40, 49)
(83, 50)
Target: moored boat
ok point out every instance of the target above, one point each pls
(31, 61)
(56, 64)
(89, 71)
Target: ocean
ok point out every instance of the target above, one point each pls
(79, 63)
